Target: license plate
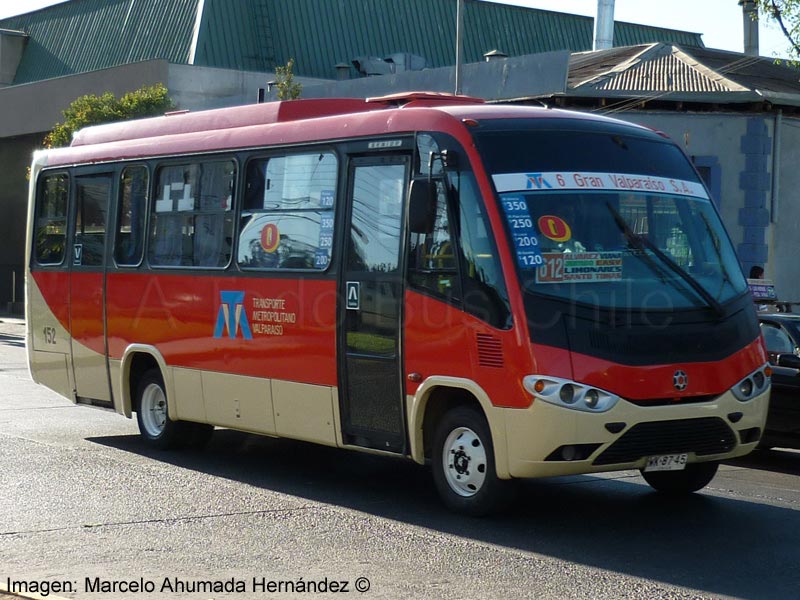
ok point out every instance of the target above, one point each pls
(666, 462)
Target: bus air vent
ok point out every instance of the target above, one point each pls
(490, 351)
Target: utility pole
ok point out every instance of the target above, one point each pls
(459, 35)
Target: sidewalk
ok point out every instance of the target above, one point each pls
(12, 325)
(15, 319)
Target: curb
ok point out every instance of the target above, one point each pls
(11, 319)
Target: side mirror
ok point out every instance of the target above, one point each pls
(791, 361)
(422, 205)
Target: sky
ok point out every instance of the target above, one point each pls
(720, 21)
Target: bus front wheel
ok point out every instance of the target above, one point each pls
(692, 478)
(155, 425)
(463, 464)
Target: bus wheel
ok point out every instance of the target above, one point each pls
(151, 412)
(694, 477)
(463, 464)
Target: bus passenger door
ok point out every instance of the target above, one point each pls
(87, 287)
(371, 292)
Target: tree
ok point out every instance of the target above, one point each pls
(786, 13)
(288, 88)
(93, 110)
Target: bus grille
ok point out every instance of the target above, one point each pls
(709, 435)
(673, 400)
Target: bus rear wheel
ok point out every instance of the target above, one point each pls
(155, 426)
(463, 464)
(691, 479)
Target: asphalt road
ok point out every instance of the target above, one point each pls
(83, 503)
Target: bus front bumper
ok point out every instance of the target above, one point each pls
(548, 440)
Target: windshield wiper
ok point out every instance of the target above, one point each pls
(726, 277)
(642, 244)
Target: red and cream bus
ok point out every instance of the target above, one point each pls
(501, 291)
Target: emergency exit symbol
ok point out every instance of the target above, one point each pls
(353, 290)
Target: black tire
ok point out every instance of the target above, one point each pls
(155, 425)
(464, 467)
(694, 477)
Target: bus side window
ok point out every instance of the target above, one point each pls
(484, 288)
(192, 218)
(288, 212)
(129, 241)
(432, 260)
(213, 223)
(51, 219)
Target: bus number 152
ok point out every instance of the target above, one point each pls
(49, 334)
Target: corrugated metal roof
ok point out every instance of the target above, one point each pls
(662, 74)
(755, 72)
(87, 35)
(84, 35)
(662, 68)
(631, 34)
(321, 33)
(231, 35)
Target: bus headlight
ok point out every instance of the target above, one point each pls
(592, 398)
(569, 394)
(754, 384)
(746, 387)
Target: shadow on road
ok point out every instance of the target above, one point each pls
(776, 460)
(17, 341)
(723, 546)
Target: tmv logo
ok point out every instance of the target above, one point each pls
(537, 180)
(231, 316)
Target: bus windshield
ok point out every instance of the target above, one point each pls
(628, 231)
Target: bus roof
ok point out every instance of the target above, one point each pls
(277, 123)
(257, 114)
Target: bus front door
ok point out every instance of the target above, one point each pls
(371, 303)
(87, 288)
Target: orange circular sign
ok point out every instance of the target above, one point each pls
(554, 228)
(270, 237)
